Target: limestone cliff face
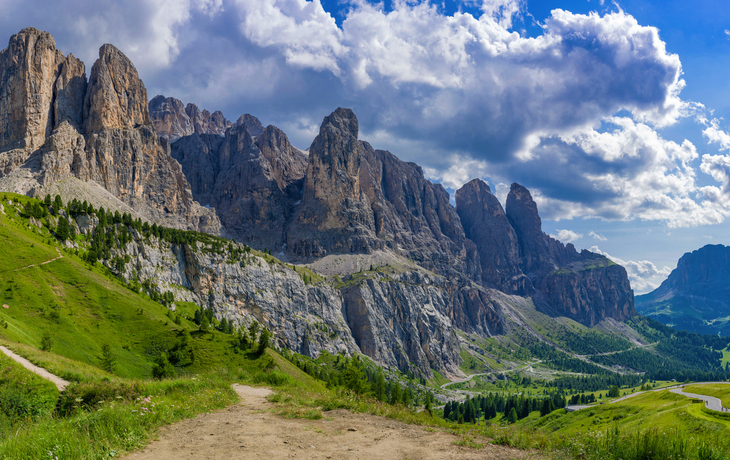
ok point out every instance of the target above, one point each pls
(252, 124)
(174, 120)
(54, 125)
(253, 186)
(416, 331)
(169, 117)
(29, 68)
(486, 224)
(205, 122)
(518, 258)
(358, 200)
(116, 97)
(334, 215)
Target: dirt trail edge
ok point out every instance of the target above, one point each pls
(248, 430)
(61, 384)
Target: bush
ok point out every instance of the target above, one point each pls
(274, 378)
(16, 404)
(90, 395)
(162, 368)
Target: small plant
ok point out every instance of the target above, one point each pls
(108, 360)
(46, 341)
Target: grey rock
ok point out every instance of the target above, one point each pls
(116, 97)
(252, 124)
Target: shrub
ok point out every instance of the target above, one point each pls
(90, 395)
(162, 368)
(274, 378)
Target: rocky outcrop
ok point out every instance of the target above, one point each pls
(169, 117)
(288, 164)
(416, 332)
(334, 215)
(358, 200)
(205, 122)
(486, 224)
(252, 124)
(116, 97)
(696, 295)
(29, 67)
(517, 257)
(54, 125)
(253, 186)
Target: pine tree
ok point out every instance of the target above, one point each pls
(264, 338)
(512, 417)
(62, 231)
(46, 341)
(162, 368)
(395, 393)
(204, 324)
(354, 376)
(108, 361)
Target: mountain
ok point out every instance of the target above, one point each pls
(385, 265)
(517, 257)
(62, 134)
(696, 295)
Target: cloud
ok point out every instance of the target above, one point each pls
(643, 275)
(463, 95)
(598, 237)
(727, 32)
(567, 236)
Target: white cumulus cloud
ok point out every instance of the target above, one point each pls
(643, 275)
(597, 236)
(567, 236)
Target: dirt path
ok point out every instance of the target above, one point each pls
(61, 384)
(247, 431)
(60, 256)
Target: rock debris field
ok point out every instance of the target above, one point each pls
(248, 430)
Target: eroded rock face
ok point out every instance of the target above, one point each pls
(359, 200)
(696, 295)
(252, 124)
(486, 224)
(518, 257)
(169, 117)
(416, 334)
(29, 69)
(205, 122)
(116, 97)
(54, 125)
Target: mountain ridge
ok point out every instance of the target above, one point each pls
(694, 297)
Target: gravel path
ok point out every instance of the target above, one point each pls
(249, 430)
(61, 384)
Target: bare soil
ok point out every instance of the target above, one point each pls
(249, 430)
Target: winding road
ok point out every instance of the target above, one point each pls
(711, 402)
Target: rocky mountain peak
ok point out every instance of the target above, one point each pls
(29, 68)
(486, 224)
(252, 124)
(116, 97)
(206, 123)
(288, 164)
(343, 120)
(521, 211)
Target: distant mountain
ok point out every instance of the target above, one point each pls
(696, 295)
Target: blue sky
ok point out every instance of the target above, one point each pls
(614, 114)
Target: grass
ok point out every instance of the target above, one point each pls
(113, 427)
